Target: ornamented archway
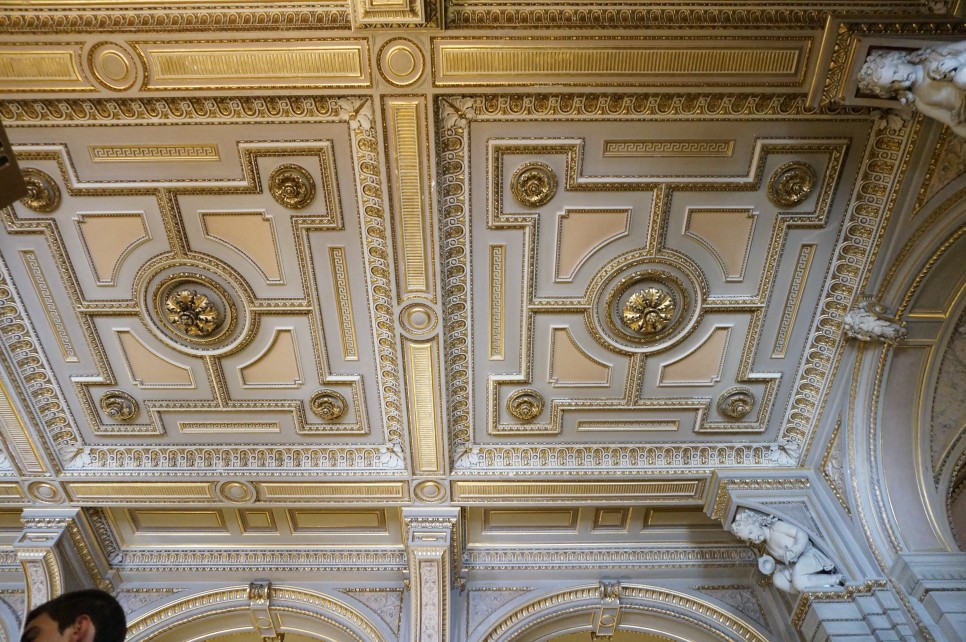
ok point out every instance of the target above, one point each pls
(610, 607)
(260, 609)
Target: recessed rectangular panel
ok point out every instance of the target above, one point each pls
(753, 61)
(167, 521)
(519, 521)
(675, 517)
(611, 519)
(257, 521)
(336, 521)
(198, 65)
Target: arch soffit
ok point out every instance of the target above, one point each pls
(649, 609)
(227, 610)
(939, 235)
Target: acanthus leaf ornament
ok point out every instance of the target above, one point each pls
(649, 310)
(533, 184)
(791, 184)
(525, 404)
(329, 405)
(736, 403)
(43, 195)
(192, 313)
(291, 186)
(119, 405)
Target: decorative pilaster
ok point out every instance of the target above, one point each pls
(429, 539)
(58, 552)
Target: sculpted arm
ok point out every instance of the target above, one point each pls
(794, 539)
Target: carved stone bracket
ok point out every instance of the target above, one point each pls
(868, 321)
(606, 619)
(264, 619)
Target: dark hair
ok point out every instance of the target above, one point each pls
(101, 607)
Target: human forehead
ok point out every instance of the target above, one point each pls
(38, 626)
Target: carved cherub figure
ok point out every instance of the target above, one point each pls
(793, 562)
(933, 80)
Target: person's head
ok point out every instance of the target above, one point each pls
(887, 74)
(751, 526)
(80, 616)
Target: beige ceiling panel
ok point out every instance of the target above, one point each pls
(678, 518)
(580, 233)
(277, 64)
(701, 366)
(680, 63)
(109, 239)
(570, 365)
(251, 234)
(277, 366)
(257, 521)
(611, 519)
(147, 368)
(727, 234)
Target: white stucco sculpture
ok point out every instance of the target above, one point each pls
(933, 80)
(788, 554)
(868, 322)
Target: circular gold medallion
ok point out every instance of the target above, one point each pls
(736, 403)
(43, 195)
(533, 184)
(192, 313)
(791, 183)
(328, 405)
(400, 62)
(649, 310)
(291, 186)
(525, 404)
(119, 405)
(429, 491)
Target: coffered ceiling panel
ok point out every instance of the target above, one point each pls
(364, 291)
(669, 281)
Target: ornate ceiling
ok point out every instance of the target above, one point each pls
(325, 293)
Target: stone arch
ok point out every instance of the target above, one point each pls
(646, 609)
(208, 614)
(902, 492)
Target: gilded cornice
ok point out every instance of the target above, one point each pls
(469, 14)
